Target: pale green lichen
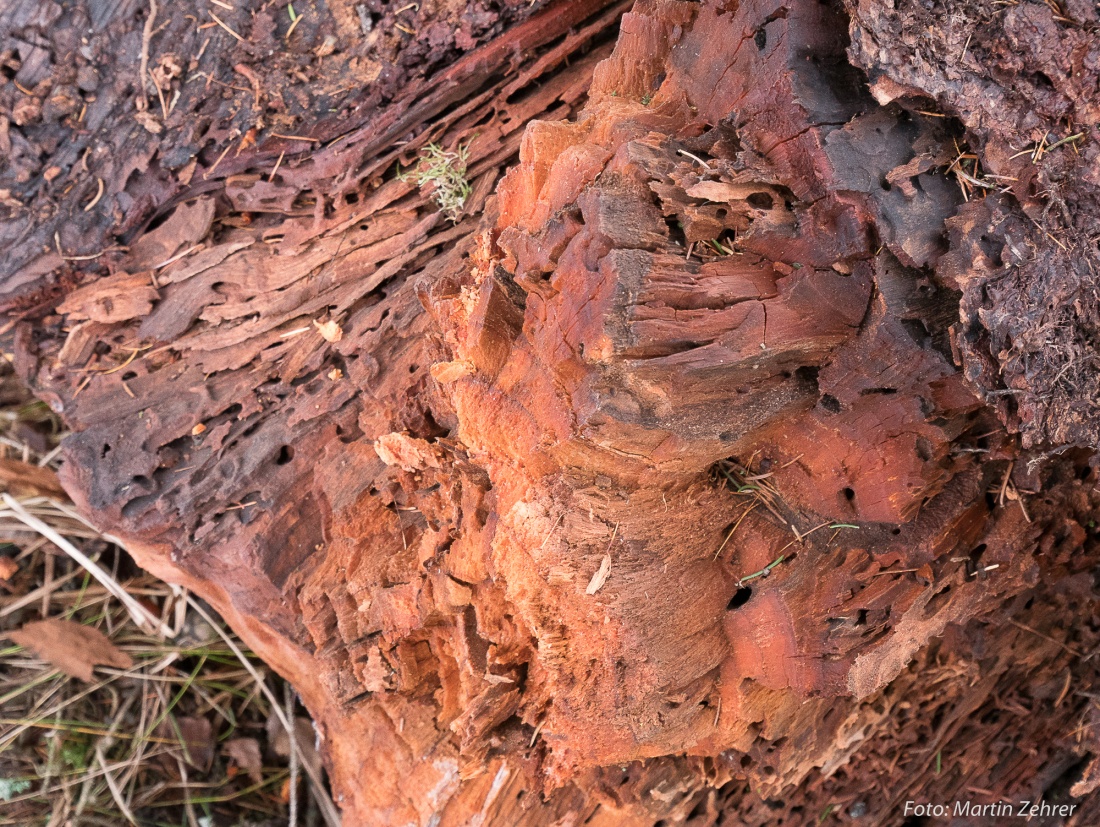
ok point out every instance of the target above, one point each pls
(445, 170)
(11, 787)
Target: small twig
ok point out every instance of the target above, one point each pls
(176, 258)
(47, 584)
(271, 177)
(57, 243)
(294, 20)
(893, 571)
(535, 734)
(211, 79)
(802, 537)
(292, 818)
(160, 98)
(550, 533)
(695, 158)
(133, 355)
(1065, 688)
(298, 331)
(98, 195)
(243, 70)
(1040, 148)
(1042, 229)
(1065, 140)
(989, 185)
(295, 137)
(1037, 633)
(210, 171)
(736, 525)
(1004, 484)
(146, 36)
(218, 20)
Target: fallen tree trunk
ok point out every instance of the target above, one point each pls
(729, 460)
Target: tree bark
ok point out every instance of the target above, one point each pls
(731, 459)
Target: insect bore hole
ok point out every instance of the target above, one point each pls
(740, 598)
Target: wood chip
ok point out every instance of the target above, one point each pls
(408, 453)
(446, 372)
(600, 577)
(330, 331)
(185, 227)
(113, 299)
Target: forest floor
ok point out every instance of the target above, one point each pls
(182, 728)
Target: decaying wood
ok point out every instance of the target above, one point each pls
(730, 461)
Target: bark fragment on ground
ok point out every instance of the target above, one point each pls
(656, 494)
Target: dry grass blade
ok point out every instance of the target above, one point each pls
(116, 793)
(756, 486)
(119, 750)
(328, 809)
(59, 759)
(141, 616)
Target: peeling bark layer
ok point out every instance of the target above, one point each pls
(716, 469)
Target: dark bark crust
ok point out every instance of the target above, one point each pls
(209, 113)
(732, 467)
(1025, 78)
